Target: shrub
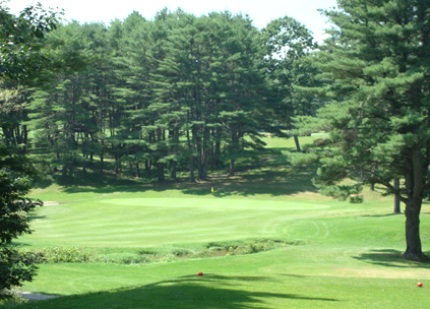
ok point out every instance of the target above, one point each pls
(64, 255)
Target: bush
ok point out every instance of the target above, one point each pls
(356, 199)
(122, 258)
(64, 255)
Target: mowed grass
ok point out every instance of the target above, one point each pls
(333, 254)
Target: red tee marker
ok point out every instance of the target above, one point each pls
(199, 274)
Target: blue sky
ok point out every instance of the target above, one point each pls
(260, 11)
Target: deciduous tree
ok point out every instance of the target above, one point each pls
(20, 59)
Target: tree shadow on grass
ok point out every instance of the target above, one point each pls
(391, 258)
(274, 180)
(392, 214)
(33, 216)
(275, 183)
(188, 292)
(270, 182)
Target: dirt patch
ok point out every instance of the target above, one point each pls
(50, 203)
(375, 273)
(35, 296)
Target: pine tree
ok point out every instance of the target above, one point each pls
(377, 61)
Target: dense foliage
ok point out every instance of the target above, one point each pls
(20, 59)
(176, 93)
(376, 65)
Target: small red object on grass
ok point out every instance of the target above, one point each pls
(420, 284)
(199, 274)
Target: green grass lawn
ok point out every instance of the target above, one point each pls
(324, 254)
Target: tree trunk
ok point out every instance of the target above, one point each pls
(217, 151)
(413, 239)
(232, 167)
(297, 142)
(234, 149)
(199, 152)
(397, 196)
(138, 170)
(414, 182)
(192, 168)
(191, 157)
(160, 172)
(173, 169)
(203, 170)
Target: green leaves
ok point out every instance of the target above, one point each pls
(377, 75)
(14, 206)
(15, 267)
(20, 55)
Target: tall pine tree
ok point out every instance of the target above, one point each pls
(377, 61)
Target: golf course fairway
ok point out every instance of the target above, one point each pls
(145, 250)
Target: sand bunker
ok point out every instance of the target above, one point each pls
(50, 203)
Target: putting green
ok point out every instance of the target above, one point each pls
(152, 222)
(215, 204)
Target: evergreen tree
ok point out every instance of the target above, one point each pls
(64, 108)
(377, 63)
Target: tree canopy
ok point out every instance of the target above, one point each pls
(176, 93)
(376, 67)
(20, 59)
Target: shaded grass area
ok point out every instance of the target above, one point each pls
(253, 281)
(391, 258)
(208, 291)
(270, 167)
(284, 179)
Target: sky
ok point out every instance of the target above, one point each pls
(260, 11)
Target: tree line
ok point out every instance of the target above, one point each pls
(150, 98)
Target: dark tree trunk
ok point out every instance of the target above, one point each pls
(232, 167)
(174, 149)
(138, 170)
(173, 169)
(234, 149)
(203, 170)
(414, 182)
(199, 152)
(102, 162)
(297, 142)
(397, 209)
(413, 239)
(160, 172)
(191, 158)
(147, 166)
(217, 151)
(192, 169)
(102, 156)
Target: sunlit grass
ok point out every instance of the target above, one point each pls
(333, 254)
